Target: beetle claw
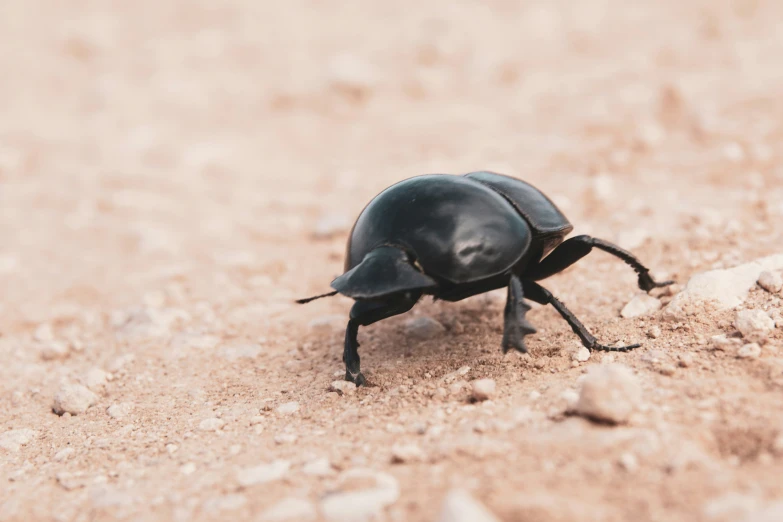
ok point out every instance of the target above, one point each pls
(647, 283)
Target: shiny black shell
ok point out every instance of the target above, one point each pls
(549, 224)
(457, 228)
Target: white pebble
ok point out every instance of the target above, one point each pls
(753, 323)
(459, 506)
(13, 440)
(482, 389)
(43, 333)
(749, 351)
(404, 453)
(73, 399)
(188, 469)
(212, 424)
(381, 490)
(330, 225)
(318, 468)
(423, 327)
(290, 508)
(64, 454)
(654, 332)
(629, 462)
(772, 282)
(580, 354)
(641, 305)
(610, 393)
(95, 379)
(288, 408)
(120, 410)
(343, 387)
(54, 350)
(262, 474)
(725, 288)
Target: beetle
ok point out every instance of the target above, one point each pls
(455, 236)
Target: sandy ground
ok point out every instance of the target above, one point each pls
(165, 166)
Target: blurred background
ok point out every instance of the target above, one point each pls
(141, 140)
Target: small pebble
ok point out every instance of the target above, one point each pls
(212, 424)
(685, 360)
(285, 438)
(343, 387)
(754, 323)
(74, 399)
(580, 354)
(654, 332)
(330, 225)
(188, 469)
(666, 369)
(482, 389)
(13, 440)
(262, 474)
(120, 410)
(95, 379)
(318, 468)
(610, 393)
(405, 453)
(54, 350)
(534, 395)
(459, 506)
(629, 462)
(64, 454)
(377, 491)
(641, 305)
(772, 282)
(749, 351)
(290, 508)
(43, 333)
(423, 327)
(288, 408)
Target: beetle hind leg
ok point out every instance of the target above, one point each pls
(541, 295)
(515, 325)
(365, 313)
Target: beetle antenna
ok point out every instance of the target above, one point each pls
(308, 299)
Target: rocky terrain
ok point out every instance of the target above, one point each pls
(173, 175)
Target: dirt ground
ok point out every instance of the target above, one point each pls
(173, 175)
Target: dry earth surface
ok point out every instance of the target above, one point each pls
(174, 174)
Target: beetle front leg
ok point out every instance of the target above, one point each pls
(365, 313)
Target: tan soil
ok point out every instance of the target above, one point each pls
(179, 156)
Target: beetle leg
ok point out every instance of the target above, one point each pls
(515, 326)
(364, 313)
(539, 294)
(574, 249)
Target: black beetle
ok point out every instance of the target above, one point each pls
(456, 236)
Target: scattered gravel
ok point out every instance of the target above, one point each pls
(460, 506)
(211, 424)
(641, 305)
(610, 393)
(754, 324)
(423, 327)
(406, 453)
(290, 508)
(288, 408)
(262, 474)
(482, 389)
(74, 399)
(13, 440)
(772, 282)
(378, 490)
